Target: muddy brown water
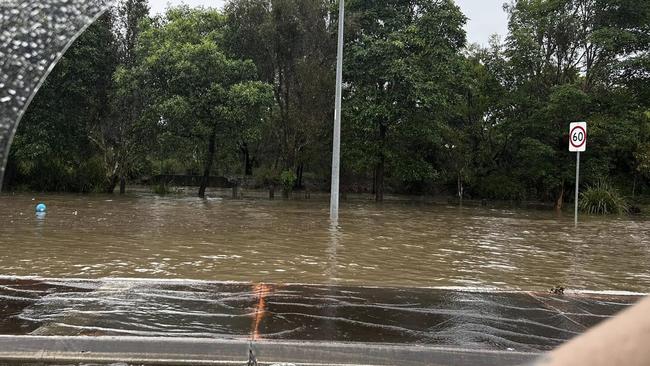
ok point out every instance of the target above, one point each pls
(400, 244)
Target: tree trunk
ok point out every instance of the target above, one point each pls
(559, 202)
(110, 188)
(122, 185)
(208, 162)
(379, 188)
(379, 181)
(248, 162)
(299, 171)
(460, 189)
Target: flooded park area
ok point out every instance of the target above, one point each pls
(407, 273)
(398, 244)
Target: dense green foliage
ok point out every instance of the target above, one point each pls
(403, 62)
(201, 94)
(248, 91)
(288, 180)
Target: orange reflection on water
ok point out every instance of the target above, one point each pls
(261, 291)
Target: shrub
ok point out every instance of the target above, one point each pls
(288, 180)
(161, 189)
(171, 167)
(267, 176)
(602, 199)
(500, 186)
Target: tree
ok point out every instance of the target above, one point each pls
(402, 58)
(115, 136)
(128, 100)
(564, 56)
(290, 41)
(200, 92)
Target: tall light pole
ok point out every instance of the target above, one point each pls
(336, 148)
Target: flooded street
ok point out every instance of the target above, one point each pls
(469, 320)
(397, 244)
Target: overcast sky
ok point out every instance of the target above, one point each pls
(486, 17)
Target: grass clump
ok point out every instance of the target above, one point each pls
(603, 199)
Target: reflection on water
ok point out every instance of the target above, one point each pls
(394, 244)
(332, 249)
(261, 291)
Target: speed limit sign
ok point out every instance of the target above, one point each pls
(578, 137)
(577, 143)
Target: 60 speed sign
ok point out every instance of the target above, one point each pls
(578, 137)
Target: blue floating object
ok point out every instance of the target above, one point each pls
(41, 207)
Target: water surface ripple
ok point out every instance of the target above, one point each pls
(483, 320)
(394, 244)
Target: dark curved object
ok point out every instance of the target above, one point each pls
(34, 34)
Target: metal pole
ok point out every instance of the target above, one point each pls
(336, 148)
(577, 186)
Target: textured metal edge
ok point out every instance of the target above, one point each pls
(195, 351)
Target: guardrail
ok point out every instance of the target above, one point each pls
(188, 351)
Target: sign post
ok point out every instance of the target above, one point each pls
(577, 144)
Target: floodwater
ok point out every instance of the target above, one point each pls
(400, 244)
(469, 319)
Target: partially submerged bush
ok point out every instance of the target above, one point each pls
(288, 180)
(602, 199)
(161, 189)
(267, 176)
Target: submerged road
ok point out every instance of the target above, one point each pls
(462, 319)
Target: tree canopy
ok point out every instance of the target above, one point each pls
(247, 91)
